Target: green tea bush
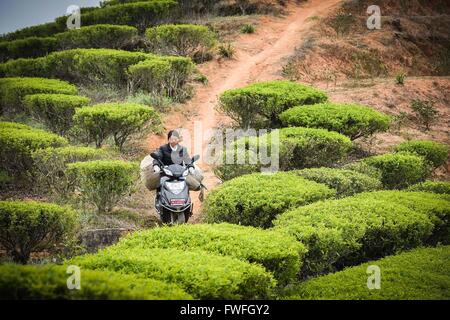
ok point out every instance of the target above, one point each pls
(399, 170)
(180, 39)
(256, 199)
(103, 183)
(352, 120)
(202, 274)
(345, 232)
(420, 274)
(27, 48)
(277, 252)
(259, 105)
(97, 36)
(17, 143)
(54, 110)
(441, 187)
(227, 171)
(29, 226)
(117, 120)
(434, 152)
(50, 166)
(41, 31)
(13, 90)
(346, 182)
(49, 282)
(364, 168)
(162, 76)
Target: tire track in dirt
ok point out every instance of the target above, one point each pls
(259, 57)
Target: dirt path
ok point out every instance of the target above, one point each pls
(259, 57)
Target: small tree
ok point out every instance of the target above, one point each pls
(425, 112)
(115, 120)
(28, 227)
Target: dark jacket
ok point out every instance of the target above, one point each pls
(169, 157)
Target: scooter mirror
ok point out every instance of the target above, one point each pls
(195, 158)
(154, 156)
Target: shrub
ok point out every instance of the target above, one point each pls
(115, 119)
(17, 143)
(420, 274)
(103, 183)
(277, 252)
(227, 171)
(256, 199)
(13, 90)
(162, 76)
(441, 187)
(202, 274)
(425, 112)
(400, 79)
(50, 165)
(434, 152)
(27, 48)
(248, 28)
(352, 230)
(399, 170)
(352, 120)
(226, 50)
(346, 182)
(49, 282)
(259, 105)
(33, 226)
(364, 168)
(41, 30)
(180, 39)
(97, 36)
(54, 110)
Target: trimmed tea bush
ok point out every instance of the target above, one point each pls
(40, 30)
(117, 120)
(364, 168)
(97, 36)
(345, 232)
(441, 187)
(346, 182)
(29, 226)
(202, 274)
(420, 274)
(54, 110)
(49, 282)
(277, 252)
(352, 120)
(399, 170)
(17, 143)
(186, 40)
(227, 171)
(162, 76)
(27, 48)
(13, 90)
(434, 152)
(50, 165)
(256, 199)
(259, 105)
(103, 183)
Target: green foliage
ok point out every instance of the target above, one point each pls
(342, 22)
(162, 76)
(345, 232)
(277, 252)
(27, 48)
(13, 90)
(17, 143)
(41, 30)
(425, 112)
(248, 28)
(29, 226)
(54, 110)
(400, 78)
(346, 182)
(227, 171)
(256, 199)
(364, 168)
(202, 274)
(352, 120)
(180, 39)
(399, 170)
(117, 120)
(103, 183)
(49, 282)
(420, 274)
(434, 152)
(441, 187)
(226, 50)
(50, 165)
(259, 105)
(97, 36)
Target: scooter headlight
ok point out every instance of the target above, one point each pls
(176, 187)
(167, 172)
